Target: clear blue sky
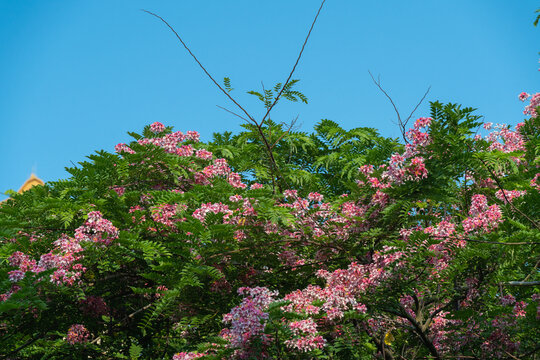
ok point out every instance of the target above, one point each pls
(76, 75)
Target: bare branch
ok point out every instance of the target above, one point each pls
(522, 283)
(378, 83)
(401, 123)
(291, 125)
(295, 64)
(201, 65)
(417, 105)
(232, 112)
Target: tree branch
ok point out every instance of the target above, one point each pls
(201, 65)
(295, 64)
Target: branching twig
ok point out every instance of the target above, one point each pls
(201, 65)
(232, 112)
(401, 123)
(295, 64)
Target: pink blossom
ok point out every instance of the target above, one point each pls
(306, 343)
(236, 181)
(119, 190)
(203, 154)
(314, 196)
(77, 334)
(168, 214)
(248, 319)
(519, 309)
(422, 122)
(524, 96)
(508, 300)
(535, 183)
(366, 169)
(255, 186)
(290, 193)
(120, 148)
(531, 108)
(508, 195)
(201, 213)
(157, 127)
(96, 229)
(16, 275)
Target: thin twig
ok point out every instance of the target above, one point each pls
(417, 105)
(201, 65)
(285, 132)
(402, 124)
(295, 64)
(378, 83)
(232, 112)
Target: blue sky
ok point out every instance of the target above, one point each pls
(75, 76)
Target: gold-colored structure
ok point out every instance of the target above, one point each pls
(33, 180)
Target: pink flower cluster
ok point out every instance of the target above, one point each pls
(343, 287)
(508, 195)
(201, 213)
(236, 181)
(512, 140)
(96, 229)
(167, 214)
(77, 334)
(157, 127)
(7, 295)
(534, 103)
(203, 154)
(247, 319)
(170, 142)
(66, 252)
(306, 336)
(535, 183)
(120, 148)
(407, 166)
(422, 122)
(482, 216)
(218, 168)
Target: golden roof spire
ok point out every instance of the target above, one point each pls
(33, 180)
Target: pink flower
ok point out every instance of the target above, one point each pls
(203, 154)
(157, 127)
(523, 96)
(16, 275)
(531, 108)
(120, 148)
(119, 190)
(236, 181)
(314, 196)
(503, 195)
(508, 300)
(96, 229)
(422, 122)
(77, 334)
(255, 186)
(519, 309)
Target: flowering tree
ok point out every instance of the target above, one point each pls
(344, 245)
